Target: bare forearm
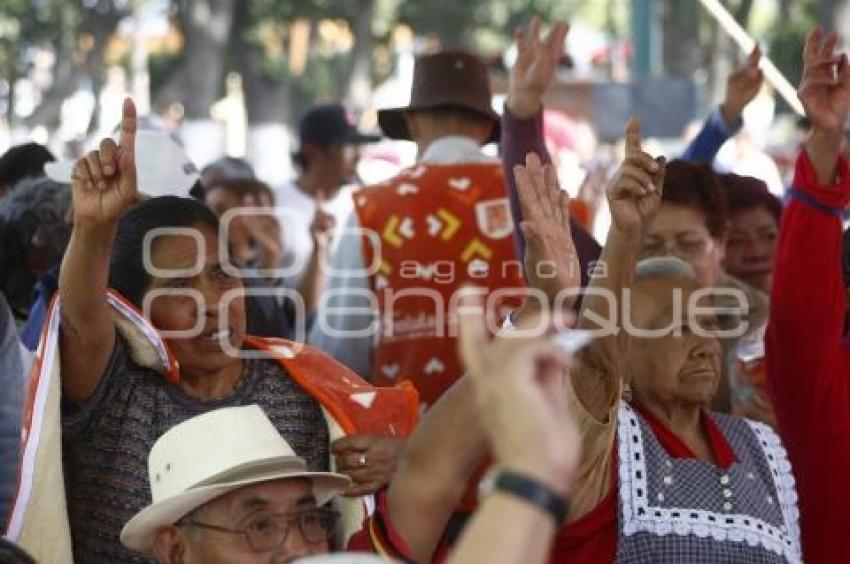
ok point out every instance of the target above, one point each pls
(84, 277)
(506, 530)
(434, 469)
(596, 379)
(88, 333)
(614, 274)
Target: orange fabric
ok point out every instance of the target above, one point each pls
(439, 227)
(356, 405)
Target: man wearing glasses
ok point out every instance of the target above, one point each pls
(226, 487)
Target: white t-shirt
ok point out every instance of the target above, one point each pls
(296, 213)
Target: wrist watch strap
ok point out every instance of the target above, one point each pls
(533, 492)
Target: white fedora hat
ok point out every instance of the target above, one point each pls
(162, 166)
(210, 455)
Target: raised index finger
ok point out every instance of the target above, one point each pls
(127, 141)
(633, 147)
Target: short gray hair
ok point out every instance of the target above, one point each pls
(664, 267)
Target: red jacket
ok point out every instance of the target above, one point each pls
(808, 359)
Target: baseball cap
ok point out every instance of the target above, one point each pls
(331, 123)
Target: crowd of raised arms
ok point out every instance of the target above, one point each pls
(443, 367)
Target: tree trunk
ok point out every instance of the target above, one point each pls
(206, 27)
(266, 99)
(66, 74)
(360, 74)
(268, 107)
(742, 13)
(96, 70)
(139, 76)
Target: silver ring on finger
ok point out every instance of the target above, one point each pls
(362, 460)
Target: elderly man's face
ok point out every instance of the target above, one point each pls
(268, 510)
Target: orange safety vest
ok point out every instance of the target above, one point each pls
(429, 231)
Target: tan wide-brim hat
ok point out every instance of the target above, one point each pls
(213, 454)
(447, 79)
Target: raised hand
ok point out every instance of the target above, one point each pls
(535, 67)
(825, 94)
(635, 193)
(322, 226)
(551, 262)
(519, 386)
(267, 234)
(742, 86)
(262, 233)
(825, 88)
(104, 181)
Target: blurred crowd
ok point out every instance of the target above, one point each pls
(492, 356)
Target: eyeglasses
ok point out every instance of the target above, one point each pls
(685, 249)
(269, 532)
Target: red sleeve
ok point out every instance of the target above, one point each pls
(378, 536)
(805, 357)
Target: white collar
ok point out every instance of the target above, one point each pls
(454, 149)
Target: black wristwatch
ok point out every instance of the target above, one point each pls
(528, 489)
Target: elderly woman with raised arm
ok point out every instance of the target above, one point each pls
(151, 333)
(662, 479)
(692, 221)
